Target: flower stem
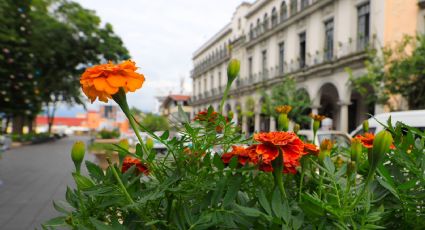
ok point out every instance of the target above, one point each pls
(123, 188)
(277, 173)
(226, 92)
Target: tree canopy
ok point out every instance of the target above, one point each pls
(46, 44)
(396, 69)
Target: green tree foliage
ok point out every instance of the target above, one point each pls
(397, 70)
(286, 93)
(155, 122)
(44, 60)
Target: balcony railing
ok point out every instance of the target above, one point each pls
(212, 61)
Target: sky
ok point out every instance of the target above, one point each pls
(161, 36)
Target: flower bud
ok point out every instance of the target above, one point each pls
(149, 143)
(351, 168)
(283, 122)
(77, 154)
(381, 145)
(316, 126)
(124, 144)
(325, 149)
(233, 70)
(365, 126)
(356, 149)
(296, 128)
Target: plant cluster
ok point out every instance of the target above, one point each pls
(108, 134)
(212, 177)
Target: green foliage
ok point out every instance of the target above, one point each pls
(155, 122)
(287, 93)
(108, 134)
(47, 43)
(191, 187)
(397, 70)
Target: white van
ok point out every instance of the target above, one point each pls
(413, 118)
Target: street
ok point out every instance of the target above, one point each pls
(31, 177)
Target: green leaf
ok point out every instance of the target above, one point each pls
(408, 185)
(232, 192)
(55, 222)
(252, 212)
(165, 135)
(277, 205)
(71, 198)
(139, 151)
(82, 181)
(62, 207)
(388, 186)
(95, 171)
(218, 192)
(329, 165)
(218, 162)
(233, 162)
(263, 201)
(99, 225)
(151, 156)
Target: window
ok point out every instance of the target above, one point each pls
(219, 79)
(363, 26)
(205, 85)
(258, 29)
(265, 22)
(304, 4)
(281, 57)
(294, 7)
(329, 39)
(264, 63)
(212, 81)
(199, 88)
(302, 38)
(251, 31)
(283, 11)
(239, 23)
(250, 67)
(274, 17)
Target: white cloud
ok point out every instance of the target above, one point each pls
(161, 36)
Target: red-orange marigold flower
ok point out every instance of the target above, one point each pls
(103, 81)
(310, 149)
(288, 142)
(317, 117)
(367, 140)
(243, 154)
(130, 161)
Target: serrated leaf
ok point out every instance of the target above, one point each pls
(264, 202)
(232, 192)
(218, 162)
(329, 165)
(233, 162)
(165, 135)
(55, 222)
(62, 207)
(82, 181)
(252, 212)
(94, 171)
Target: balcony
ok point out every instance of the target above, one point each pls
(212, 61)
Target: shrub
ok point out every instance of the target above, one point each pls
(108, 134)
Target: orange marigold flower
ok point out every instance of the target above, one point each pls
(326, 145)
(244, 155)
(288, 142)
(130, 161)
(367, 140)
(317, 117)
(310, 149)
(103, 81)
(283, 109)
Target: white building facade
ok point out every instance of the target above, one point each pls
(312, 40)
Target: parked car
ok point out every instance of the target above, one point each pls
(340, 138)
(5, 142)
(413, 118)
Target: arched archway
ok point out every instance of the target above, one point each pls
(329, 99)
(359, 108)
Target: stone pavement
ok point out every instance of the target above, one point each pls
(31, 177)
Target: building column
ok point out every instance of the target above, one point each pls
(245, 124)
(272, 124)
(257, 122)
(343, 116)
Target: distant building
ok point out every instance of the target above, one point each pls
(170, 104)
(108, 117)
(311, 40)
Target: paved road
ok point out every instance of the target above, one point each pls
(30, 178)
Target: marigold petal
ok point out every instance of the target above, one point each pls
(116, 81)
(133, 84)
(267, 152)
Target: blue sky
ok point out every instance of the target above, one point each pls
(161, 36)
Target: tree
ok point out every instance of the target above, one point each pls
(398, 69)
(286, 93)
(46, 44)
(155, 122)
